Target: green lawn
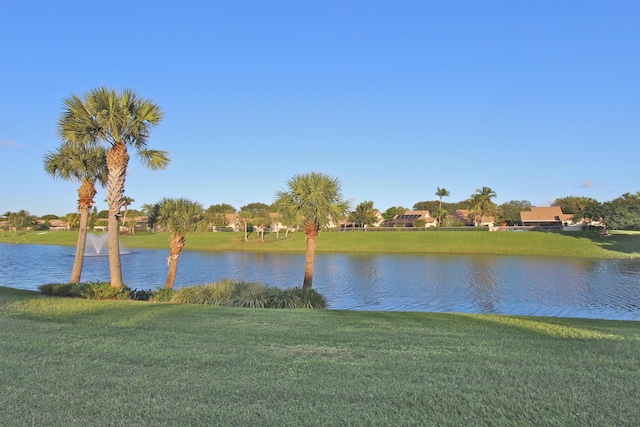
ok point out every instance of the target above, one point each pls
(589, 244)
(71, 362)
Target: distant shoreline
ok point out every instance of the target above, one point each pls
(531, 243)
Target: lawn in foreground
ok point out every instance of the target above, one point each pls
(69, 362)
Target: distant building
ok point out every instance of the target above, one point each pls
(549, 216)
(408, 218)
(463, 215)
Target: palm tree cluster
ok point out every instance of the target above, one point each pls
(116, 122)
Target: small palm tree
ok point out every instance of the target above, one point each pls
(364, 214)
(151, 212)
(126, 202)
(86, 165)
(179, 216)
(481, 203)
(441, 192)
(115, 121)
(312, 201)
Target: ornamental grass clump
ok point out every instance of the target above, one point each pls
(239, 293)
(227, 292)
(88, 290)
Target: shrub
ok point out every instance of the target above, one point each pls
(227, 292)
(239, 293)
(161, 295)
(103, 290)
(309, 298)
(284, 298)
(253, 295)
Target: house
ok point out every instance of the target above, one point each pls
(408, 218)
(548, 216)
(54, 224)
(463, 215)
(233, 221)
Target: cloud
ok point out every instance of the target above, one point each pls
(9, 143)
(586, 184)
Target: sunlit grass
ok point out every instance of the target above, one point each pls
(569, 244)
(73, 362)
(546, 326)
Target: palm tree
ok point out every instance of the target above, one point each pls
(481, 204)
(116, 121)
(179, 216)
(126, 202)
(312, 201)
(151, 212)
(441, 192)
(8, 215)
(364, 214)
(86, 165)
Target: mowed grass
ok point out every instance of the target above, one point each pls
(71, 362)
(571, 244)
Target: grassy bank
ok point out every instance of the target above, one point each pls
(69, 362)
(590, 244)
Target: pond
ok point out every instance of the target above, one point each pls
(537, 286)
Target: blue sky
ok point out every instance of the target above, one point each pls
(537, 100)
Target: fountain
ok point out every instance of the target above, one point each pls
(95, 243)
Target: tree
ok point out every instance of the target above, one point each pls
(216, 215)
(256, 215)
(312, 201)
(178, 216)
(8, 215)
(441, 192)
(393, 211)
(365, 214)
(618, 214)
(151, 212)
(126, 202)
(480, 203)
(86, 165)
(573, 204)
(509, 212)
(116, 121)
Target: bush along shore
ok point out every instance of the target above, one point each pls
(230, 293)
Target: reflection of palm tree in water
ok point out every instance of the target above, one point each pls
(483, 284)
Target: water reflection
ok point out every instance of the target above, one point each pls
(607, 289)
(482, 283)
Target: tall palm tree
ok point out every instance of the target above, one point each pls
(116, 121)
(86, 165)
(312, 201)
(179, 216)
(481, 204)
(442, 192)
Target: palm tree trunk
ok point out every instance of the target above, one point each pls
(117, 160)
(311, 239)
(176, 242)
(86, 193)
(76, 273)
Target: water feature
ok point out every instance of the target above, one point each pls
(95, 244)
(560, 287)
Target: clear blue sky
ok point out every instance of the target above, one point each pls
(537, 100)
